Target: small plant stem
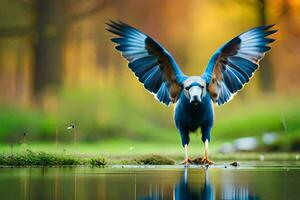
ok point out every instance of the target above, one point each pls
(283, 120)
(56, 137)
(12, 149)
(74, 136)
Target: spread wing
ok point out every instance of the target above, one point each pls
(151, 62)
(232, 66)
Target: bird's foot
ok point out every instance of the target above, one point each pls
(187, 161)
(206, 160)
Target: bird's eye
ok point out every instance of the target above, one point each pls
(187, 88)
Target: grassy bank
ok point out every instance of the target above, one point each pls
(30, 158)
(41, 158)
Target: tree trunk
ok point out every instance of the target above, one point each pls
(48, 45)
(19, 76)
(266, 70)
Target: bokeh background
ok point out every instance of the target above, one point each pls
(58, 67)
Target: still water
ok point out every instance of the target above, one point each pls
(167, 182)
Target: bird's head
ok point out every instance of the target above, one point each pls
(194, 89)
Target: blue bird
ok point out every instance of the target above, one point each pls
(227, 71)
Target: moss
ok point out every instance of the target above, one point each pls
(30, 158)
(152, 160)
(98, 162)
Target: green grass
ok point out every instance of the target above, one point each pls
(125, 124)
(106, 148)
(114, 147)
(151, 159)
(253, 118)
(121, 152)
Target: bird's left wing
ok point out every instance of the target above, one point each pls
(151, 62)
(231, 67)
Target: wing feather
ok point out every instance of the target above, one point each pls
(232, 66)
(150, 62)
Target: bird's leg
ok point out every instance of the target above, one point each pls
(205, 159)
(186, 160)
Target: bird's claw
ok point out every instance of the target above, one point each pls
(206, 160)
(187, 161)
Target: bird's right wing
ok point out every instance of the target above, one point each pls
(151, 62)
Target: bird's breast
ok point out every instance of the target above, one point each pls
(193, 116)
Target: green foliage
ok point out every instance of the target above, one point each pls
(288, 142)
(98, 162)
(255, 118)
(15, 121)
(97, 116)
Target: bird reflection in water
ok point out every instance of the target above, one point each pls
(203, 189)
(184, 190)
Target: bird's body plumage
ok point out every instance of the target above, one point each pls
(228, 70)
(188, 117)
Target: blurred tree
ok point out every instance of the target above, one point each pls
(52, 19)
(48, 42)
(19, 73)
(266, 71)
(266, 74)
(102, 50)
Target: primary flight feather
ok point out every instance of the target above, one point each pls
(228, 70)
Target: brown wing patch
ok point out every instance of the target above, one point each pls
(165, 65)
(170, 76)
(216, 77)
(212, 90)
(174, 91)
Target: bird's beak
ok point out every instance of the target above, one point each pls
(195, 100)
(195, 95)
